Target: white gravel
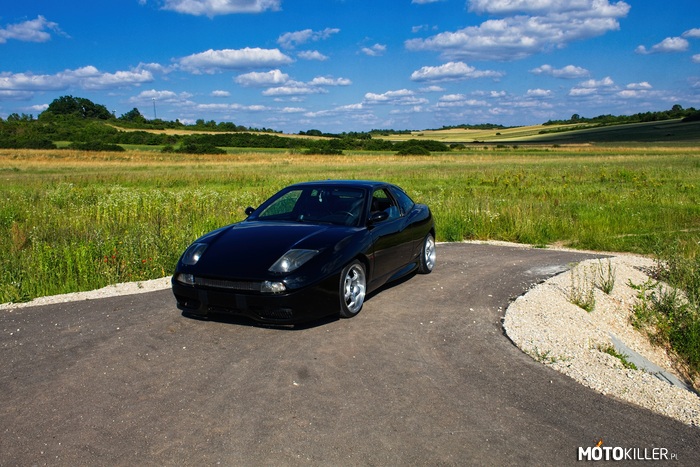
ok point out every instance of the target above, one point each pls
(548, 327)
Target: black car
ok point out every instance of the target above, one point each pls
(312, 250)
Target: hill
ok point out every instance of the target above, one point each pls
(668, 131)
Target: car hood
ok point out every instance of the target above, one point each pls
(247, 250)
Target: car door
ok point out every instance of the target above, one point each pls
(392, 243)
(414, 227)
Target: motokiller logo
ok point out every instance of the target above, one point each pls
(616, 453)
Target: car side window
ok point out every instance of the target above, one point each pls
(382, 201)
(405, 202)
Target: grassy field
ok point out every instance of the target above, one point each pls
(74, 220)
(663, 133)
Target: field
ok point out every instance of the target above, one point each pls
(662, 133)
(73, 221)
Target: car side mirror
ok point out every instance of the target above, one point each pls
(378, 216)
(249, 210)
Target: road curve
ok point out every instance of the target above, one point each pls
(423, 375)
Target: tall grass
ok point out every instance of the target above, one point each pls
(73, 221)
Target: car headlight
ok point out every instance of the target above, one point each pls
(193, 253)
(292, 260)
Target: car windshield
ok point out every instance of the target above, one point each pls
(328, 205)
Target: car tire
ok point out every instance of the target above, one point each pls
(427, 255)
(352, 289)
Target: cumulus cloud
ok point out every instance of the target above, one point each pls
(567, 72)
(459, 100)
(87, 77)
(584, 7)
(36, 30)
(294, 89)
(593, 87)
(399, 97)
(692, 33)
(539, 93)
(264, 79)
(536, 26)
(668, 45)
(161, 96)
(212, 61)
(312, 55)
(452, 71)
(644, 85)
(317, 85)
(290, 40)
(374, 51)
(220, 7)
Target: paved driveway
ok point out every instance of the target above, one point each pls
(424, 375)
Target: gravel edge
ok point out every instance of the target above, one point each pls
(544, 324)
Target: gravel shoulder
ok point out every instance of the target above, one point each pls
(545, 325)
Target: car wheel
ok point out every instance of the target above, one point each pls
(427, 255)
(353, 284)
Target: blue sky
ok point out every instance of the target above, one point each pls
(352, 65)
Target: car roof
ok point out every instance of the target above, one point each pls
(367, 184)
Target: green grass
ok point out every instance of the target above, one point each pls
(73, 221)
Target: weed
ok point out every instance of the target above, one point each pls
(543, 357)
(605, 276)
(581, 290)
(624, 358)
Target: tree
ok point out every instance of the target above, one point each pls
(78, 107)
(133, 115)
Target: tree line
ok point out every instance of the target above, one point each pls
(676, 112)
(82, 124)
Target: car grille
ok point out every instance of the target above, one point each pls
(232, 285)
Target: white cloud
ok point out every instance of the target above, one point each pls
(519, 36)
(36, 30)
(291, 39)
(326, 81)
(220, 7)
(269, 78)
(459, 100)
(668, 45)
(297, 88)
(399, 97)
(312, 55)
(452, 71)
(212, 61)
(87, 77)
(432, 88)
(593, 87)
(639, 86)
(568, 72)
(160, 96)
(584, 7)
(539, 93)
(376, 50)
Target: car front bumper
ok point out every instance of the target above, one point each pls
(291, 307)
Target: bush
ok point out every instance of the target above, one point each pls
(413, 151)
(97, 146)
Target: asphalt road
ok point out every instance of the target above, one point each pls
(422, 376)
